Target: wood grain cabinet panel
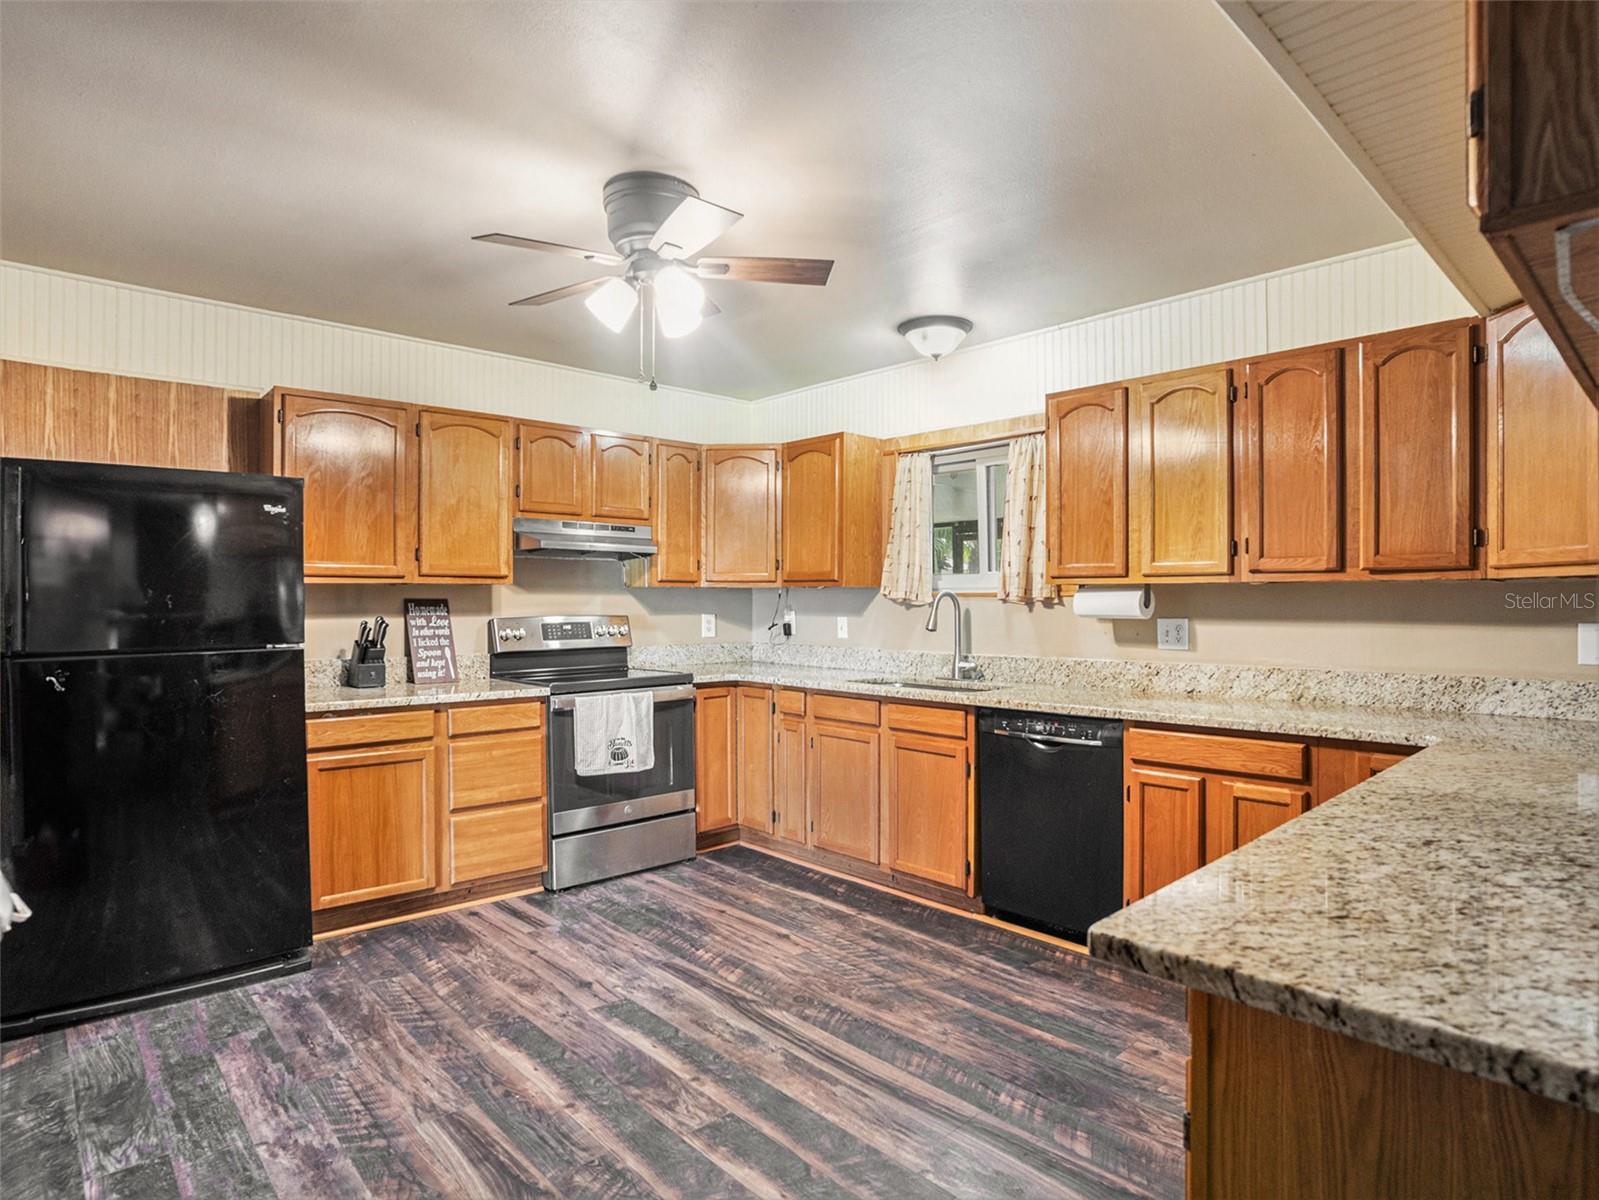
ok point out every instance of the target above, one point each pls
(553, 477)
(1414, 457)
(1086, 433)
(496, 841)
(495, 768)
(1182, 476)
(368, 729)
(1543, 453)
(464, 497)
(741, 514)
(495, 718)
(1291, 470)
(677, 513)
(1164, 829)
(1244, 810)
(842, 789)
(355, 458)
(716, 764)
(622, 477)
(371, 823)
(754, 754)
(1284, 759)
(790, 760)
(813, 499)
(926, 785)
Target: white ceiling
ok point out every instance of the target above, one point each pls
(1021, 165)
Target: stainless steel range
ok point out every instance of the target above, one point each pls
(611, 823)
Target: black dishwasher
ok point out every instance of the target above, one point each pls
(1050, 826)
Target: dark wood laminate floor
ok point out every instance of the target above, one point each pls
(735, 1026)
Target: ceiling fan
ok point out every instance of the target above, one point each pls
(658, 224)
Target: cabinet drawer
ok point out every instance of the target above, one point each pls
(791, 701)
(496, 842)
(1217, 752)
(496, 768)
(916, 718)
(369, 729)
(496, 718)
(845, 708)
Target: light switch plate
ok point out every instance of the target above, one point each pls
(1587, 644)
(1171, 633)
(843, 627)
(707, 624)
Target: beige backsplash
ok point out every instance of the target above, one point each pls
(542, 586)
(1466, 627)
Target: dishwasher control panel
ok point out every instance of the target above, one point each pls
(1063, 729)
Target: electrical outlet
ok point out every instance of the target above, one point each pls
(1588, 645)
(1171, 633)
(843, 627)
(707, 624)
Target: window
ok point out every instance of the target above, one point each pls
(968, 517)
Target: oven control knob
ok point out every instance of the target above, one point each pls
(622, 629)
(519, 633)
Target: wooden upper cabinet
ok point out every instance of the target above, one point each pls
(926, 784)
(553, 474)
(677, 513)
(464, 497)
(355, 458)
(1164, 836)
(716, 761)
(1086, 433)
(1181, 484)
(741, 514)
(1543, 452)
(841, 797)
(1291, 467)
(622, 477)
(831, 528)
(1413, 461)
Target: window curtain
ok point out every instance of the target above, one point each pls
(908, 562)
(1023, 554)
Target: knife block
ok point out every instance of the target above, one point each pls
(358, 674)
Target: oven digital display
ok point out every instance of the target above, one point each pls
(566, 631)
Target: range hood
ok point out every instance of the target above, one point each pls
(539, 537)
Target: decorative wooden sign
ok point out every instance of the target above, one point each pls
(430, 641)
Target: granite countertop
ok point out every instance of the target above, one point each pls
(1447, 908)
(326, 698)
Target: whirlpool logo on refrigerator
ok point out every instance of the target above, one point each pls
(276, 510)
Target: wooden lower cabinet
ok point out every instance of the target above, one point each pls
(841, 794)
(372, 822)
(1244, 809)
(1339, 766)
(413, 809)
(927, 784)
(716, 763)
(1164, 836)
(788, 778)
(756, 735)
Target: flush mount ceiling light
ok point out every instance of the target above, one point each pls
(658, 226)
(935, 336)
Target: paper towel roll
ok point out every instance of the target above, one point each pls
(1114, 603)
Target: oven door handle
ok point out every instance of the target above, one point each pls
(661, 696)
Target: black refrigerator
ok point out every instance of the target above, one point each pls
(152, 736)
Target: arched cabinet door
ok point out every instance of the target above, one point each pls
(1182, 481)
(1415, 448)
(355, 458)
(1086, 432)
(552, 464)
(464, 497)
(813, 508)
(741, 506)
(1543, 453)
(677, 513)
(621, 488)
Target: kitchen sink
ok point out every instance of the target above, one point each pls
(931, 685)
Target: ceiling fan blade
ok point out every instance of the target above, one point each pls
(813, 271)
(561, 293)
(522, 243)
(693, 225)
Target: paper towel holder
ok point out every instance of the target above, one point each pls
(1115, 603)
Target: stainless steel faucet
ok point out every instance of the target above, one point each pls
(961, 667)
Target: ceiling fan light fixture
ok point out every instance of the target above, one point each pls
(679, 302)
(613, 303)
(935, 336)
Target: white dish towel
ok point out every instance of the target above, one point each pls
(614, 733)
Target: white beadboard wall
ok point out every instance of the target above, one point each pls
(95, 325)
(1389, 287)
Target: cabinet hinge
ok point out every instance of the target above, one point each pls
(1246, 543)
(1479, 354)
(1479, 537)
(418, 553)
(1232, 393)
(419, 429)
(280, 416)
(774, 816)
(1188, 1129)
(516, 442)
(968, 868)
(1474, 106)
(1234, 546)
(813, 826)
(968, 770)
(774, 708)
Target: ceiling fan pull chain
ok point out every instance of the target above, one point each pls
(652, 336)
